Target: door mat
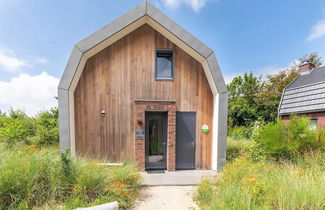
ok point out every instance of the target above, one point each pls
(155, 171)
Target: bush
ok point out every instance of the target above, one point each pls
(246, 184)
(34, 177)
(47, 127)
(240, 132)
(287, 140)
(12, 131)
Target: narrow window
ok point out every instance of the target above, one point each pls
(313, 123)
(164, 65)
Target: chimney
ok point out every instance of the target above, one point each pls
(306, 68)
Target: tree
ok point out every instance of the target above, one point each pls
(242, 92)
(312, 58)
(269, 97)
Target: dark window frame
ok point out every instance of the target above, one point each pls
(162, 51)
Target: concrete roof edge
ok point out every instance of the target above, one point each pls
(113, 27)
(70, 68)
(128, 18)
(216, 74)
(178, 31)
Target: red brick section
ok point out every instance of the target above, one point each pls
(320, 116)
(139, 121)
(305, 67)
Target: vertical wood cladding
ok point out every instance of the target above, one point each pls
(125, 71)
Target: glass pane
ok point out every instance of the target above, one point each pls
(164, 66)
(156, 140)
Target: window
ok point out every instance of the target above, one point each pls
(164, 65)
(313, 124)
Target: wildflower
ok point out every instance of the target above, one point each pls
(114, 180)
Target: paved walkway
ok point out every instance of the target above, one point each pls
(166, 197)
(176, 178)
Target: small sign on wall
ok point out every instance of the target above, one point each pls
(139, 133)
(205, 128)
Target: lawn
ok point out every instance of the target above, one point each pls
(42, 177)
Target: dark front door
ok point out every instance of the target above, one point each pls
(185, 140)
(156, 136)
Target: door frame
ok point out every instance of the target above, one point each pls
(160, 165)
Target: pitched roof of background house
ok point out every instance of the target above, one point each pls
(305, 94)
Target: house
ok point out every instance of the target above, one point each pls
(305, 96)
(144, 89)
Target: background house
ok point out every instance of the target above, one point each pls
(305, 95)
(141, 88)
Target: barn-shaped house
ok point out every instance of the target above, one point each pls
(305, 96)
(144, 89)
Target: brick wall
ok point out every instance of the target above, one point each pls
(139, 119)
(320, 116)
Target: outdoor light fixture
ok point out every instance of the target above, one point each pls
(103, 113)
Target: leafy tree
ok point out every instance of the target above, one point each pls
(269, 97)
(243, 91)
(313, 58)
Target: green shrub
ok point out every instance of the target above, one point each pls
(12, 131)
(42, 177)
(47, 127)
(246, 184)
(240, 132)
(27, 123)
(288, 140)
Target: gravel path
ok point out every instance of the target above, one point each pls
(166, 197)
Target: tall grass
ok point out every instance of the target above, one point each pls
(246, 184)
(38, 177)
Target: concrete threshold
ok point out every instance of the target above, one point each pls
(177, 178)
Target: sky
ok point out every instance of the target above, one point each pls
(37, 37)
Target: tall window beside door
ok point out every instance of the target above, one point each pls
(164, 64)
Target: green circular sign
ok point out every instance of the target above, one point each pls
(205, 128)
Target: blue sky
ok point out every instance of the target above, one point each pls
(36, 37)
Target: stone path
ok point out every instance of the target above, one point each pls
(166, 197)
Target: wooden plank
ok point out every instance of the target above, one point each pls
(125, 71)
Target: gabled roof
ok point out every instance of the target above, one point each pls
(144, 13)
(315, 76)
(305, 94)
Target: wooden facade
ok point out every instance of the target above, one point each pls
(124, 72)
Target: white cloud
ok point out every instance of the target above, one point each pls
(10, 62)
(317, 31)
(40, 60)
(196, 5)
(29, 93)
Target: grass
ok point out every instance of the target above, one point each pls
(235, 148)
(247, 184)
(32, 176)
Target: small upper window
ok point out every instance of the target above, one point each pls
(164, 65)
